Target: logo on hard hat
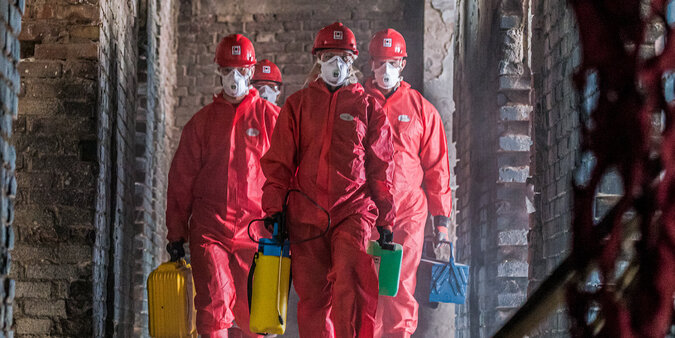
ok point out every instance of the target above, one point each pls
(267, 69)
(386, 42)
(236, 50)
(337, 35)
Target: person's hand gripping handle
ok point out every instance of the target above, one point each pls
(176, 250)
(386, 239)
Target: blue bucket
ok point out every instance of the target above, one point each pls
(448, 280)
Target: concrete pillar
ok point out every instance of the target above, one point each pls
(438, 320)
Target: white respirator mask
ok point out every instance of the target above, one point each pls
(235, 84)
(387, 76)
(334, 71)
(268, 93)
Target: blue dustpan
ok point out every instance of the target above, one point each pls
(448, 279)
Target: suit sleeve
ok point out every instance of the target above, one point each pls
(271, 116)
(279, 163)
(185, 167)
(380, 163)
(434, 160)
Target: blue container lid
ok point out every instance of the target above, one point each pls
(272, 247)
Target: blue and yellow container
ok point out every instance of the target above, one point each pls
(171, 301)
(268, 286)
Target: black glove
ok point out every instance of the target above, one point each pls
(386, 237)
(442, 221)
(176, 250)
(271, 220)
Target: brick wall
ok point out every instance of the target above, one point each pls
(556, 143)
(10, 26)
(75, 138)
(56, 169)
(493, 134)
(156, 74)
(556, 54)
(283, 31)
(114, 260)
(78, 248)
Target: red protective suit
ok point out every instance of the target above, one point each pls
(421, 185)
(215, 185)
(336, 147)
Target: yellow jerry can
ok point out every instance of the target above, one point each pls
(268, 286)
(171, 301)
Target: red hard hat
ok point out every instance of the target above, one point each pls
(387, 44)
(335, 36)
(266, 70)
(235, 51)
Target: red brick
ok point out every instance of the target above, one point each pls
(39, 31)
(50, 51)
(33, 326)
(33, 289)
(79, 13)
(41, 89)
(55, 125)
(84, 69)
(54, 309)
(89, 32)
(39, 180)
(40, 107)
(48, 271)
(54, 51)
(292, 26)
(40, 69)
(44, 11)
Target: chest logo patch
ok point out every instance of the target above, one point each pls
(346, 117)
(252, 132)
(404, 118)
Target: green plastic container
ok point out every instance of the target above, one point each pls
(387, 265)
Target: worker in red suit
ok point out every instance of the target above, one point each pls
(422, 174)
(332, 142)
(215, 189)
(267, 80)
